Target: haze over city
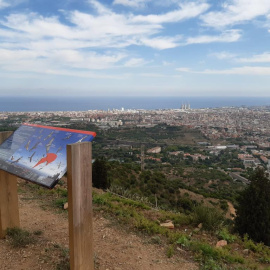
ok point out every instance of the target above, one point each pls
(139, 47)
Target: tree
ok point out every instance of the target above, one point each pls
(253, 210)
(100, 175)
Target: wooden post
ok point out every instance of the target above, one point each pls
(4, 135)
(79, 177)
(9, 206)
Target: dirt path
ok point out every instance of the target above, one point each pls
(115, 249)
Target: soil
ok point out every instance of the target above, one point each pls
(115, 247)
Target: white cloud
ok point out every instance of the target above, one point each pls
(246, 70)
(227, 36)
(223, 55)
(131, 3)
(166, 63)
(3, 4)
(237, 12)
(135, 62)
(184, 69)
(161, 43)
(31, 42)
(186, 11)
(153, 75)
(259, 58)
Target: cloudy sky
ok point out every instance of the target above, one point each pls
(135, 47)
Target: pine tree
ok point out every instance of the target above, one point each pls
(100, 175)
(253, 210)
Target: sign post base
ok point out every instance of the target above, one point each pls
(79, 177)
(9, 206)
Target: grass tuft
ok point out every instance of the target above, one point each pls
(20, 238)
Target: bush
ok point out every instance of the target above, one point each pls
(100, 174)
(210, 218)
(225, 235)
(253, 210)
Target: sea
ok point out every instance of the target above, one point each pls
(30, 104)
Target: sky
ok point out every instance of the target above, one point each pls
(134, 48)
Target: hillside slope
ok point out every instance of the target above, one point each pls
(115, 247)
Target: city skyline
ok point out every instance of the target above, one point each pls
(134, 47)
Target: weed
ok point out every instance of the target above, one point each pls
(63, 264)
(148, 226)
(249, 244)
(37, 232)
(205, 251)
(170, 251)
(62, 192)
(156, 240)
(20, 238)
(60, 202)
(183, 241)
(211, 265)
(225, 235)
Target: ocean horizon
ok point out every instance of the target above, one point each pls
(31, 104)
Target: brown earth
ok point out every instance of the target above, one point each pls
(115, 248)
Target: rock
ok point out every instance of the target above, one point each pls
(246, 251)
(221, 243)
(168, 224)
(65, 206)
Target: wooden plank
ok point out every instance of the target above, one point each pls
(79, 175)
(9, 206)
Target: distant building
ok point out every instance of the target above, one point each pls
(185, 106)
(155, 150)
(203, 143)
(233, 146)
(264, 159)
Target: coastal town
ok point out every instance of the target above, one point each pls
(244, 129)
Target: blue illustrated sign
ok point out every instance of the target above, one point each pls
(38, 153)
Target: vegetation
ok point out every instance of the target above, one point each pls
(210, 218)
(253, 211)
(143, 219)
(20, 238)
(100, 176)
(147, 221)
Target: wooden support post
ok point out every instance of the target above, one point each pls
(4, 135)
(9, 206)
(79, 175)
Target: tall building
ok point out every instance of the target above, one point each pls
(185, 106)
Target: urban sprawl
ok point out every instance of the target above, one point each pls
(247, 125)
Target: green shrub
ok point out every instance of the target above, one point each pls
(211, 218)
(249, 244)
(183, 241)
(225, 235)
(59, 203)
(156, 240)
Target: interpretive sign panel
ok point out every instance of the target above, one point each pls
(38, 153)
